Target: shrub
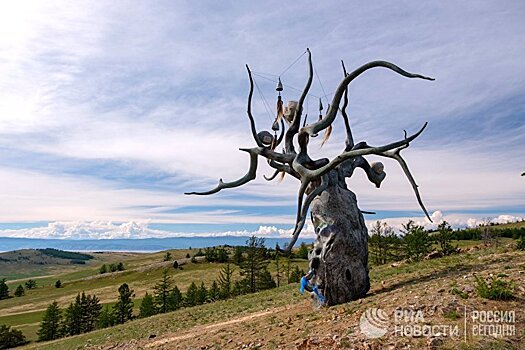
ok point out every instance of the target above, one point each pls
(175, 264)
(30, 284)
(494, 289)
(19, 291)
(520, 245)
(58, 284)
(10, 338)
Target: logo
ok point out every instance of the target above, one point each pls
(374, 323)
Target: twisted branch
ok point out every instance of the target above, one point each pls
(250, 175)
(296, 122)
(315, 128)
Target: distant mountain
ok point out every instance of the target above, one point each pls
(134, 245)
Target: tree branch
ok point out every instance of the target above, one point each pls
(349, 142)
(249, 111)
(312, 174)
(315, 128)
(296, 122)
(250, 175)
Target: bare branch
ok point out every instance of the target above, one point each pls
(349, 138)
(250, 175)
(273, 176)
(249, 111)
(296, 122)
(315, 128)
(397, 156)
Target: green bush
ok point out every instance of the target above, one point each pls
(520, 245)
(10, 338)
(494, 289)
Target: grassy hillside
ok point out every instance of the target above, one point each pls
(282, 318)
(143, 270)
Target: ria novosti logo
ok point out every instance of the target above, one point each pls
(374, 323)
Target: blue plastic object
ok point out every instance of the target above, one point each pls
(305, 285)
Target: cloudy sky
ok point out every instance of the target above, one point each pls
(109, 111)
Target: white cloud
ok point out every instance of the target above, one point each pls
(132, 230)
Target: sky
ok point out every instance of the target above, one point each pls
(110, 111)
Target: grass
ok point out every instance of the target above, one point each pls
(141, 274)
(495, 288)
(182, 319)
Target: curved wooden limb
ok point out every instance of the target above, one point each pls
(273, 176)
(312, 174)
(250, 175)
(328, 119)
(249, 111)
(397, 156)
(349, 142)
(296, 122)
(302, 210)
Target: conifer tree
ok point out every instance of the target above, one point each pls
(51, 323)
(191, 295)
(103, 269)
(58, 284)
(106, 318)
(4, 289)
(225, 280)
(214, 293)
(91, 313)
(123, 309)
(30, 284)
(254, 267)
(147, 306)
(202, 294)
(19, 291)
(175, 299)
(277, 267)
(10, 337)
(73, 318)
(162, 292)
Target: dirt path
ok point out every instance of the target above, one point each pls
(199, 330)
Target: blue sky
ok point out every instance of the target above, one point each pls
(109, 111)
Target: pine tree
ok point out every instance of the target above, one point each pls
(167, 256)
(254, 267)
(214, 293)
(237, 255)
(287, 269)
(58, 284)
(225, 280)
(73, 318)
(103, 269)
(123, 309)
(19, 291)
(202, 294)
(191, 295)
(416, 241)
(175, 299)
(302, 253)
(106, 318)
(444, 239)
(92, 313)
(120, 266)
(277, 268)
(50, 325)
(10, 337)
(30, 284)
(4, 289)
(161, 293)
(147, 306)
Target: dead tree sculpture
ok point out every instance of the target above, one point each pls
(340, 254)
